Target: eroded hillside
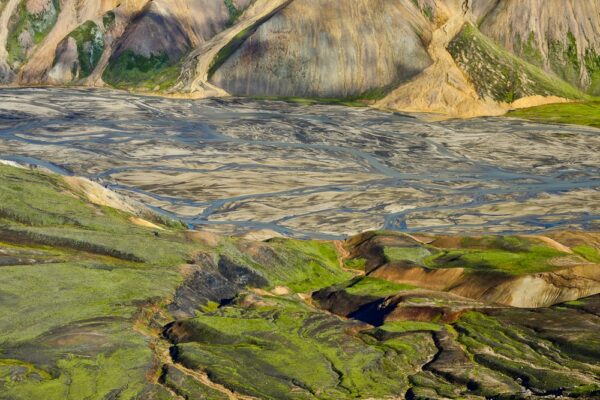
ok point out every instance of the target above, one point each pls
(453, 57)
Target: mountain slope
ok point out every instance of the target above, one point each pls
(309, 49)
(560, 36)
(418, 55)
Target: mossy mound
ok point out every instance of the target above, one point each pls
(283, 349)
(131, 70)
(95, 306)
(500, 75)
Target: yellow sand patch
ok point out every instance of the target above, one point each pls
(280, 291)
(261, 235)
(146, 224)
(553, 243)
(208, 238)
(97, 194)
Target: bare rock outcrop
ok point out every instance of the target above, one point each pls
(319, 48)
(393, 54)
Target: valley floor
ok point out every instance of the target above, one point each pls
(239, 165)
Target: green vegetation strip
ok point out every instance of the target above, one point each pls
(566, 113)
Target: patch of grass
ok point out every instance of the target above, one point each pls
(304, 265)
(188, 387)
(327, 361)
(130, 70)
(535, 259)
(356, 264)
(37, 207)
(53, 295)
(121, 371)
(367, 286)
(587, 113)
(413, 254)
(90, 46)
(590, 253)
(512, 351)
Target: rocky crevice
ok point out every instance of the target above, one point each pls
(167, 370)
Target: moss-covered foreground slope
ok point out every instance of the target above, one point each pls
(98, 302)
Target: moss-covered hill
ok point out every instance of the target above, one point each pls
(119, 303)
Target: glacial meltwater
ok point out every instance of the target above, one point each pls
(323, 171)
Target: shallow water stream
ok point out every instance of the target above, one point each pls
(237, 165)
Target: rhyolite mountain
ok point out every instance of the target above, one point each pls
(457, 57)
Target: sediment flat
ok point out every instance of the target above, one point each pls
(237, 165)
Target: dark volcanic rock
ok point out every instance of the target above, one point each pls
(208, 282)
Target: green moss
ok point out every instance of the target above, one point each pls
(409, 326)
(575, 303)
(227, 50)
(234, 12)
(54, 295)
(356, 264)
(500, 75)
(90, 46)
(66, 318)
(367, 286)
(122, 371)
(428, 11)
(24, 23)
(413, 254)
(535, 259)
(506, 243)
(350, 102)
(568, 113)
(591, 61)
(512, 351)
(36, 208)
(187, 387)
(529, 50)
(108, 19)
(305, 265)
(564, 58)
(590, 253)
(130, 70)
(327, 361)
